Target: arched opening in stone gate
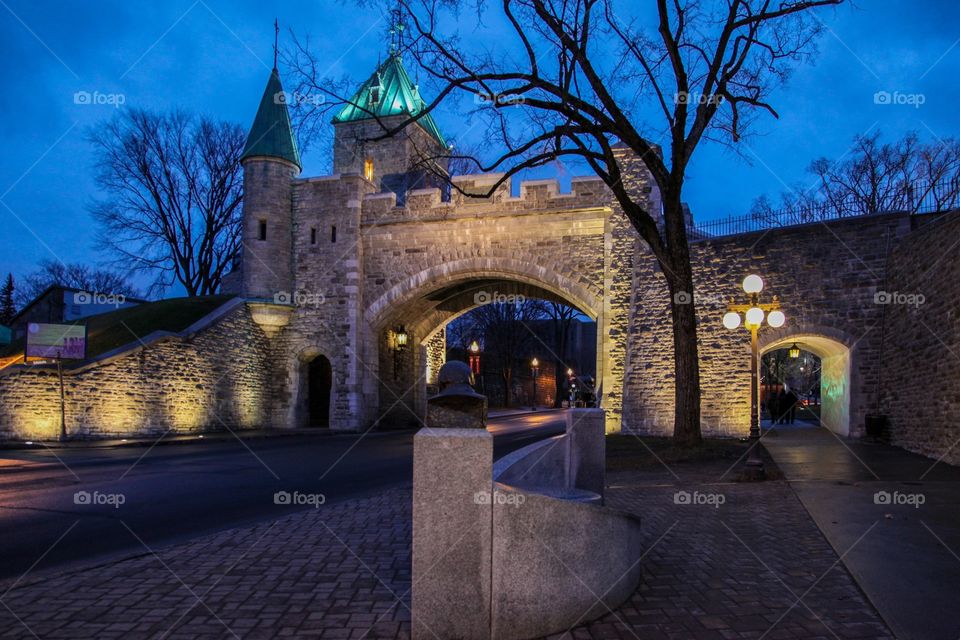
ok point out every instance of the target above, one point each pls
(319, 383)
(407, 374)
(834, 360)
(313, 382)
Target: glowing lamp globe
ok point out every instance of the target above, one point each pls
(776, 319)
(731, 320)
(753, 284)
(754, 316)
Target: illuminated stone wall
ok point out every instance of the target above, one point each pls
(362, 266)
(216, 379)
(921, 359)
(561, 242)
(827, 276)
(327, 267)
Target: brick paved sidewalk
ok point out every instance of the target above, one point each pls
(756, 566)
(343, 571)
(336, 572)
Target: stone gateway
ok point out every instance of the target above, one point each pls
(347, 281)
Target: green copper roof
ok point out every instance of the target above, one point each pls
(388, 92)
(271, 134)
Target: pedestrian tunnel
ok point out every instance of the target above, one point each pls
(835, 367)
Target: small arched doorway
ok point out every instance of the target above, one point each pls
(319, 384)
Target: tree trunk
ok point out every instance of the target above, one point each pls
(686, 421)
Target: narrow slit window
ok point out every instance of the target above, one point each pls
(368, 169)
(333, 233)
(262, 231)
(313, 235)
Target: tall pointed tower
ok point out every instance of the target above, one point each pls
(410, 159)
(270, 162)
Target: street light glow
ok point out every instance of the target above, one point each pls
(776, 319)
(753, 284)
(534, 363)
(754, 316)
(731, 320)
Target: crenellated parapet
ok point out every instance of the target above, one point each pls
(475, 195)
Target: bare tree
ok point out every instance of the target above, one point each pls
(507, 336)
(874, 177)
(561, 316)
(461, 332)
(76, 276)
(878, 177)
(568, 79)
(173, 188)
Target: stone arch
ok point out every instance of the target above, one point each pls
(580, 294)
(410, 300)
(836, 351)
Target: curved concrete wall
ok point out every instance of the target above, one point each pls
(540, 464)
(557, 563)
(491, 560)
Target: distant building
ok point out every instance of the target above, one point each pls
(66, 304)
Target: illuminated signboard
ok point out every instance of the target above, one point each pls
(65, 341)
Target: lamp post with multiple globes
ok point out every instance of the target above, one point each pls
(753, 314)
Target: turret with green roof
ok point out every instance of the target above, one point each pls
(389, 92)
(271, 135)
(270, 162)
(385, 100)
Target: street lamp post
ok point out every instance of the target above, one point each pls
(754, 312)
(535, 370)
(475, 358)
(475, 365)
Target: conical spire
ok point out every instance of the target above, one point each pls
(272, 134)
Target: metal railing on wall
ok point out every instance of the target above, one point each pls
(914, 198)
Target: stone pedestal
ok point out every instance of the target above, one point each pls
(587, 449)
(452, 533)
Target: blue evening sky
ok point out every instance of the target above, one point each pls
(213, 57)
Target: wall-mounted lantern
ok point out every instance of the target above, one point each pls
(794, 351)
(400, 340)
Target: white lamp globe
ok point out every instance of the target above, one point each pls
(754, 316)
(753, 284)
(776, 319)
(731, 320)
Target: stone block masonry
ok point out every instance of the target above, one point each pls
(215, 379)
(826, 277)
(357, 267)
(919, 367)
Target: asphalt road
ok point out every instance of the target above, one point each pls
(141, 498)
